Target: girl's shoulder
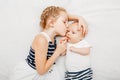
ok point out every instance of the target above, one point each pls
(40, 36)
(39, 39)
(43, 36)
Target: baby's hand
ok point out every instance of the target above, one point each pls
(73, 49)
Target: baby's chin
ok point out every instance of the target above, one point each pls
(73, 40)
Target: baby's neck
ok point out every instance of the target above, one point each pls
(76, 41)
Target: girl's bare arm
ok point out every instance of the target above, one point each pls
(41, 48)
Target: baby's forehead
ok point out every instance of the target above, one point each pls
(73, 25)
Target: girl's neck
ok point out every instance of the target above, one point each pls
(51, 33)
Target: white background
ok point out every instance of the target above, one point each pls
(19, 23)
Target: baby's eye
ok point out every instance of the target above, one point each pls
(65, 22)
(73, 32)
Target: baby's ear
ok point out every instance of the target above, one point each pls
(80, 28)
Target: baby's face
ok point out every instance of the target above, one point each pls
(73, 33)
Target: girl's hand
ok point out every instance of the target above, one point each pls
(61, 47)
(64, 53)
(82, 25)
(81, 21)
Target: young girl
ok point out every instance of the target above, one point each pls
(40, 63)
(77, 56)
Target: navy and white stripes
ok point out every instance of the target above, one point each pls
(81, 75)
(31, 57)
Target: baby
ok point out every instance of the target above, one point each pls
(78, 55)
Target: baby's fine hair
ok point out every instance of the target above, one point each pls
(51, 11)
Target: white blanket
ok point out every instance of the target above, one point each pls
(19, 23)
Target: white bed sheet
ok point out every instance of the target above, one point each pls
(19, 22)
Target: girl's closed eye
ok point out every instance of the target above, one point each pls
(68, 30)
(65, 22)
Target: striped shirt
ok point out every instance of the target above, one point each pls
(86, 74)
(31, 57)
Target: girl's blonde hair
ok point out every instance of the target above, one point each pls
(51, 11)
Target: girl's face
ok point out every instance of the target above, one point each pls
(73, 34)
(61, 24)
